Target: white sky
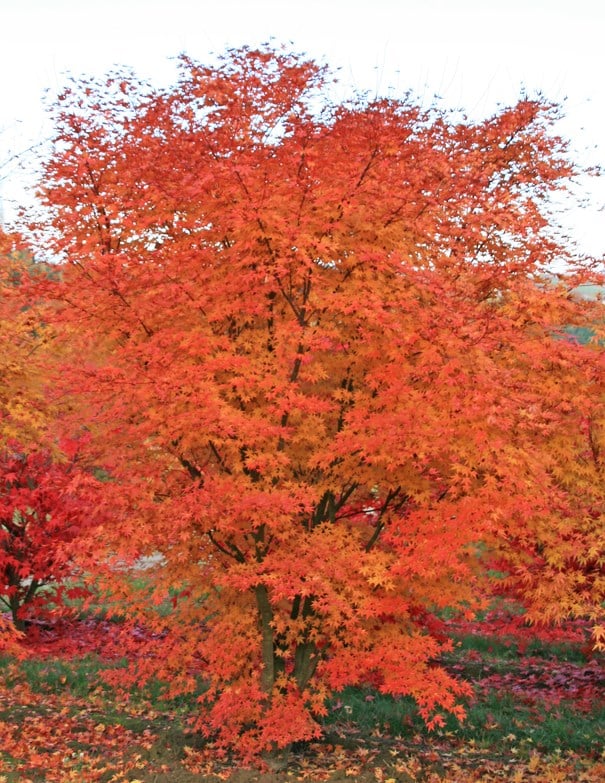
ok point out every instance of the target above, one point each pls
(475, 54)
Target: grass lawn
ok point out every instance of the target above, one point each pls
(537, 714)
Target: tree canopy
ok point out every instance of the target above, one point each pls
(317, 356)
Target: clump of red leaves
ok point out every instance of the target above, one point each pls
(550, 682)
(533, 679)
(510, 625)
(73, 638)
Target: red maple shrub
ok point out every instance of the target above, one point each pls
(42, 514)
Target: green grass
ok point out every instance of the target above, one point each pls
(500, 720)
(77, 676)
(508, 648)
(497, 722)
(369, 710)
(80, 676)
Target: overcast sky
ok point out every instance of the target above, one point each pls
(474, 54)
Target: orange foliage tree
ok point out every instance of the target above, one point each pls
(23, 341)
(555, 552)
(318, 358)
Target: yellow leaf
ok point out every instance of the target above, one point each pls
(534, 762)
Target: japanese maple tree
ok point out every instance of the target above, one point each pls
(42, 515)
(23, 341)
(556, 561)
(317, 357)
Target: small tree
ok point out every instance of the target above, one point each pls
(41, 516)
(319, 362)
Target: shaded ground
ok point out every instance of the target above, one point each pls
(538, 714)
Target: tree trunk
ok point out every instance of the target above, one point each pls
(265, 614)
(305, 663)
(15, 605)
